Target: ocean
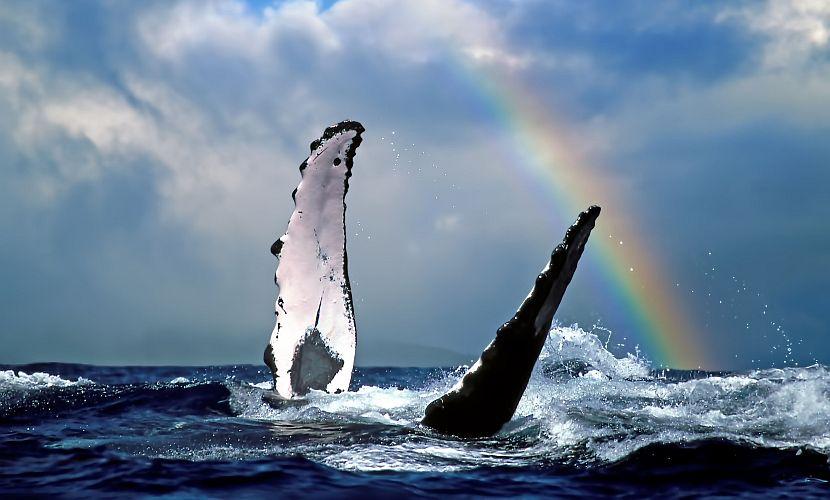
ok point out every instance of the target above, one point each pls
(590, 424)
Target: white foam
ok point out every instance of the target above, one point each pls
(367, 404)
(23, 381)
(571, 342)
(613, 408)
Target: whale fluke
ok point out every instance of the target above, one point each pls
(312, 345)
(488, 394)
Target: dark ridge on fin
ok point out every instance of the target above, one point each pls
(276, 247)
(268, 358)
(331, 132)
(490, 391)
(315, 364)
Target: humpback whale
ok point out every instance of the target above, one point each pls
(487, 395)
(312, 345)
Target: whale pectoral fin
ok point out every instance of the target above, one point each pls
(488, 394)
(313, 346)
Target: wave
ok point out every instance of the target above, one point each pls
(22, 402)
(584, 407)
(20, 380)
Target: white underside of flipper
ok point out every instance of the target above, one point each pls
(312, 345)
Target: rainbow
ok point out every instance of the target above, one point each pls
(630, 275)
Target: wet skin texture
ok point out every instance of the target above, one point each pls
(490, 391)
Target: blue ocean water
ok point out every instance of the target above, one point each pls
(590, 424)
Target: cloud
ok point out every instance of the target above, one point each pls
(795, 30)
(25, 24)
(156, 172)
(448, 222)
(229, 28)
(149, 151)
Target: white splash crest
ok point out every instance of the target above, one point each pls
(10, 380)
(598, 409)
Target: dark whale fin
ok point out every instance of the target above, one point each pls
(488, 394)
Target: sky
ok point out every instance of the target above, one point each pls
(148, 151)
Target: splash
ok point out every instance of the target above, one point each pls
(9, 380)
(583, 405)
